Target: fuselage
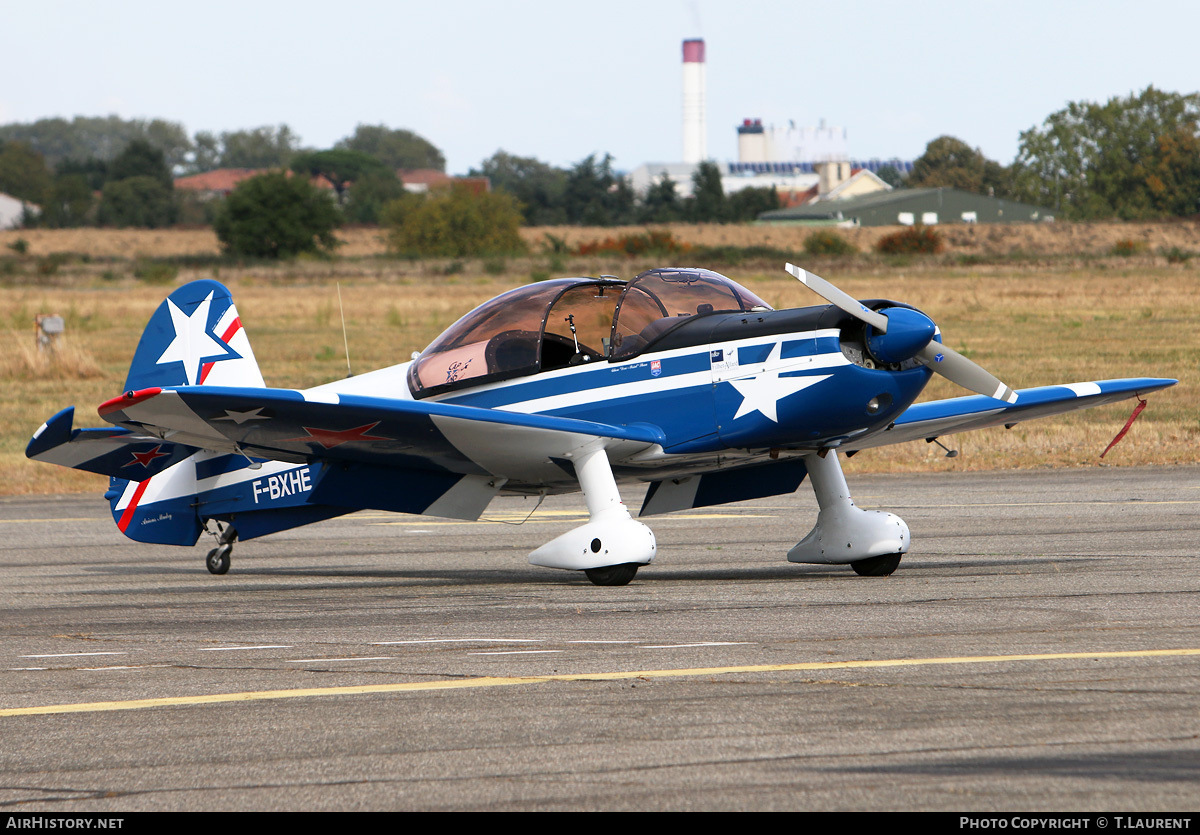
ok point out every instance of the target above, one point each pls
(726, 390)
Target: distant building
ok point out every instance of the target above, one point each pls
(217, 183)
(789, 160)
(757, 143)
(911, 206)
(782, 158)
(784, 180)
(422, 180)
(795, 183)
(13, 211)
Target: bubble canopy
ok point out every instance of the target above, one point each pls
(571, 321)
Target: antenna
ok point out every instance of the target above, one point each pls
(950, 453)
(345, 340)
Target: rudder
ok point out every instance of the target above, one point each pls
(195, 337)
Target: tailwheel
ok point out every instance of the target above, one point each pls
(612, 575)
(218, 559)
(877, 566)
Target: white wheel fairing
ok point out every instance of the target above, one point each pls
(845, 533)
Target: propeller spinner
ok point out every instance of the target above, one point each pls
(895, 334)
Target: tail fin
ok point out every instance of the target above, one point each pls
(195, 337)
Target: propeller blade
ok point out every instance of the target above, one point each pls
(839, 298)
(958, 369)
(945, 361)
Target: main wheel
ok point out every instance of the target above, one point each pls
(877, 566)
(218, 559)
(612, 575)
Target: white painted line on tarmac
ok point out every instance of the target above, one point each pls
(351, 658)
(56, 521)
(461, 641)
(702, 644)
(235, 649)
(517, 652)
(71, 654)
(900, 505)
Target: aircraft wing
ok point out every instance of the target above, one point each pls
(962, 414)
(307, 427)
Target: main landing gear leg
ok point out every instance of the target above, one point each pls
(218, 558)
(611, 546)
(871, 541)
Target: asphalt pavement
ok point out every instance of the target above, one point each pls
(1038, 649)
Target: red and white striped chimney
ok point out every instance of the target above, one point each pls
(695, 144)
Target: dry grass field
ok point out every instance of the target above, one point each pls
(1036, 322)
(1050, 239)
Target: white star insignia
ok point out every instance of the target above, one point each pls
(192, 343)
(763, 392)
(241, 417)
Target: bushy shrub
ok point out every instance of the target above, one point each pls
(155, 272)
(1128, 246)
(652, 242)
(454, 223)
(915, 240)
(276, 216)
(49, 264)
(828, 242)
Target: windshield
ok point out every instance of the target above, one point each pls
(567, 322)
(657, 300)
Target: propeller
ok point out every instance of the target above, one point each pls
(897, 333)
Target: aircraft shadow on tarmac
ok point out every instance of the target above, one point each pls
(1179, 765)
(508, 576)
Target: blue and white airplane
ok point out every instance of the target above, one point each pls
(680, 379)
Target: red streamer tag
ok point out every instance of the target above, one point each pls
(1137, 410)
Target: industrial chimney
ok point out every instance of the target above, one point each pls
(695, 146)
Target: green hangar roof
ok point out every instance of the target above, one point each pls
(910, 206)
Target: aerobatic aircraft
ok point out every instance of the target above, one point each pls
(679, 379)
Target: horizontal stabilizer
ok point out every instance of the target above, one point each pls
(110, 451)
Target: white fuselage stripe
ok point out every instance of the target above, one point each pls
(656, 385)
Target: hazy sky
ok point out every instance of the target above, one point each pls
(560, 80)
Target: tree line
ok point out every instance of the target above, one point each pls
(272, 146)
(1135, 157)
(113, 172)
(591, 193)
